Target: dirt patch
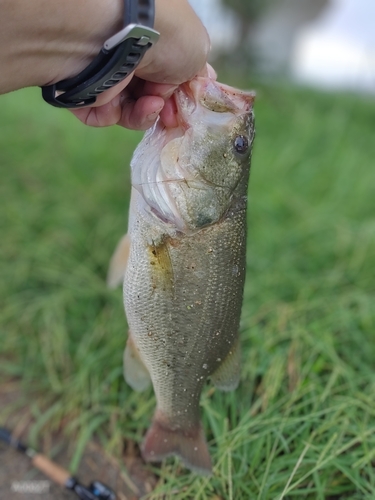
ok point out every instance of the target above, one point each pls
(19, 480)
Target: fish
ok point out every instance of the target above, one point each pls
(183, 262)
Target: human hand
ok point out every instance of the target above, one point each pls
(179, 55)
(43, 42)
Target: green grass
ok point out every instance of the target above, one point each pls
(302, 423)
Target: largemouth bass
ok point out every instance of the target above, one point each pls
(184, 262)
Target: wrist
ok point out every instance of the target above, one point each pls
(85, 28)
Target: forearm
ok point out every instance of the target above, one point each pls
(42, 41)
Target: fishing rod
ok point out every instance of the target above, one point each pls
(95, 491)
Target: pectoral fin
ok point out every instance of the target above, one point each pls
(118, 262)
(135, 372)
(227, 376)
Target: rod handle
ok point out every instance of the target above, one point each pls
(56, 473)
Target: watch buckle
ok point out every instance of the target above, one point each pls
(144, 34)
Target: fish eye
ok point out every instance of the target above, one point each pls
(241, 144)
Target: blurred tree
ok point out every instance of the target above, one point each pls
(248, 13)
(281, 17)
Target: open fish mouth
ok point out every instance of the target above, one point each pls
(213, 96)
(206, 93)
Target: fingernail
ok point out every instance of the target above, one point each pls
(116, 101)
(211, 72)
(152, 116)
(167, 91)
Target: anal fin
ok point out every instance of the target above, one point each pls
(227, 376)
(118, 262)
(135, 372)
(163, 440)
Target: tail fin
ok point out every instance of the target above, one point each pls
(162, 441)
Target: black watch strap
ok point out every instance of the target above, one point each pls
(119, 57)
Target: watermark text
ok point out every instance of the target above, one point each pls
(36, 487)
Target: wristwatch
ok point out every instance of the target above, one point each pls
(119, 57)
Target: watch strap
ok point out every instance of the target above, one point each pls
(139, 12)
(119, 57)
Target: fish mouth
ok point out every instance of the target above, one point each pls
(213, 96)
(207, 94)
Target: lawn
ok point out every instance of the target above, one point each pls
(302, 422)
